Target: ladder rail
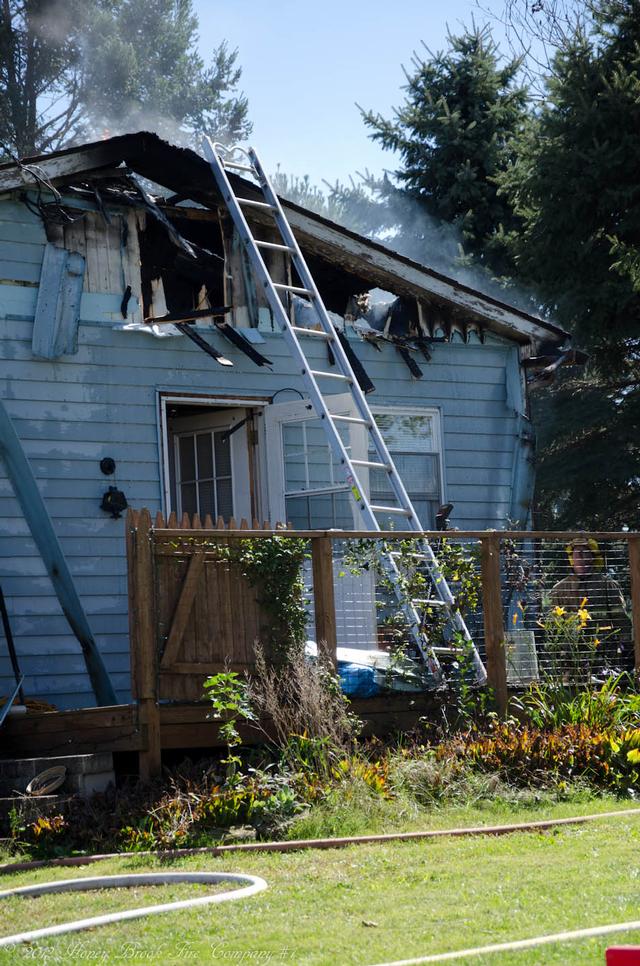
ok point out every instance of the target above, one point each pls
(308, 287)
(442, 587)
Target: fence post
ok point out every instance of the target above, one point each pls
(493, 620)
(323, 595)
(142, 638)
(634, 574)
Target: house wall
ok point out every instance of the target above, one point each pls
(102, 401)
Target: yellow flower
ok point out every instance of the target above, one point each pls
(559, 611)
(596, 641)
(583, 615)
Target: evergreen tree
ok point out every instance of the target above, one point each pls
(40, 61)
(454, 135)
(576, 187)
(72, 69)
(142, 71)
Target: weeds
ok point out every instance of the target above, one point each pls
(307, 713)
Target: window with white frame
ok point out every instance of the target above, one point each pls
(413, 439)
(316, 494)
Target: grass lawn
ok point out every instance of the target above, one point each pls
(416, 897)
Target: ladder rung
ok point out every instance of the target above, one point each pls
(374, 466)
(391, 509)
(293, 288)
(240, 167)
(329, 375)
(431, 603)
(351, 419)
(254, 204)
(316, 333)
(274, 246)
(446, 650)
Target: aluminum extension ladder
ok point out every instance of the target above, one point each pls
(222, 160)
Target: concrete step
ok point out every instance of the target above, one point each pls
(86, 774)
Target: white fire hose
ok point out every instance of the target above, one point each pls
(256, 884)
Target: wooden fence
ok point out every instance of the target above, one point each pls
(193, 614)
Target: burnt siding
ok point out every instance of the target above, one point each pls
(102, 401)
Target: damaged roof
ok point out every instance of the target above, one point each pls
(189, 176)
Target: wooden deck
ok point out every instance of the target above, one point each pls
(119, 728)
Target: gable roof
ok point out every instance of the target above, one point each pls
(186, 173)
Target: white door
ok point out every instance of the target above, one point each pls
(307, 488)
(209, 465)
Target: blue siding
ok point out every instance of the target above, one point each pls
(102, 401)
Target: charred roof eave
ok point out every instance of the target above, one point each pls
(175, 167)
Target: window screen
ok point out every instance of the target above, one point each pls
(204, 481)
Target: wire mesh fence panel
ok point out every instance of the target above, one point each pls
(567, 612)
(372, 619)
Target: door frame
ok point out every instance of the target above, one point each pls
(165, 397)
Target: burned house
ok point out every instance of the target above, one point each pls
(141, 366)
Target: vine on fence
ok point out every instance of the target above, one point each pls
(272, 565)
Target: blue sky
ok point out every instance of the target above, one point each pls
(305, 65)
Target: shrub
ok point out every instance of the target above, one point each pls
(614, 704)
(526, 755)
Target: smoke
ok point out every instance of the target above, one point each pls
(399, 222)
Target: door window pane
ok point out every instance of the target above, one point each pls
(204, 472)
(205, 456)
(206, 495)
(189, 503)
(187, 458)
(309, 463)
(225, 498)
(222, 454)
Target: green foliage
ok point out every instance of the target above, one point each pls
(142, 70)
(615, 704)
(574, 185)
(274, 566)
(573, 643)
(229, 696)
(70, 70)
(454, 134)
(195, 805)
(40, 64)
(458, 565)
(522, 754)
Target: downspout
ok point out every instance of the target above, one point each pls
(522, 466)
(35, 513)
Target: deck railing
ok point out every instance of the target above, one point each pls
(193, 613)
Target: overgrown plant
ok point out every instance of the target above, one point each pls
(229, 698)
(526, 755)
(304, 711)
(614, 704)
(572, 645)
